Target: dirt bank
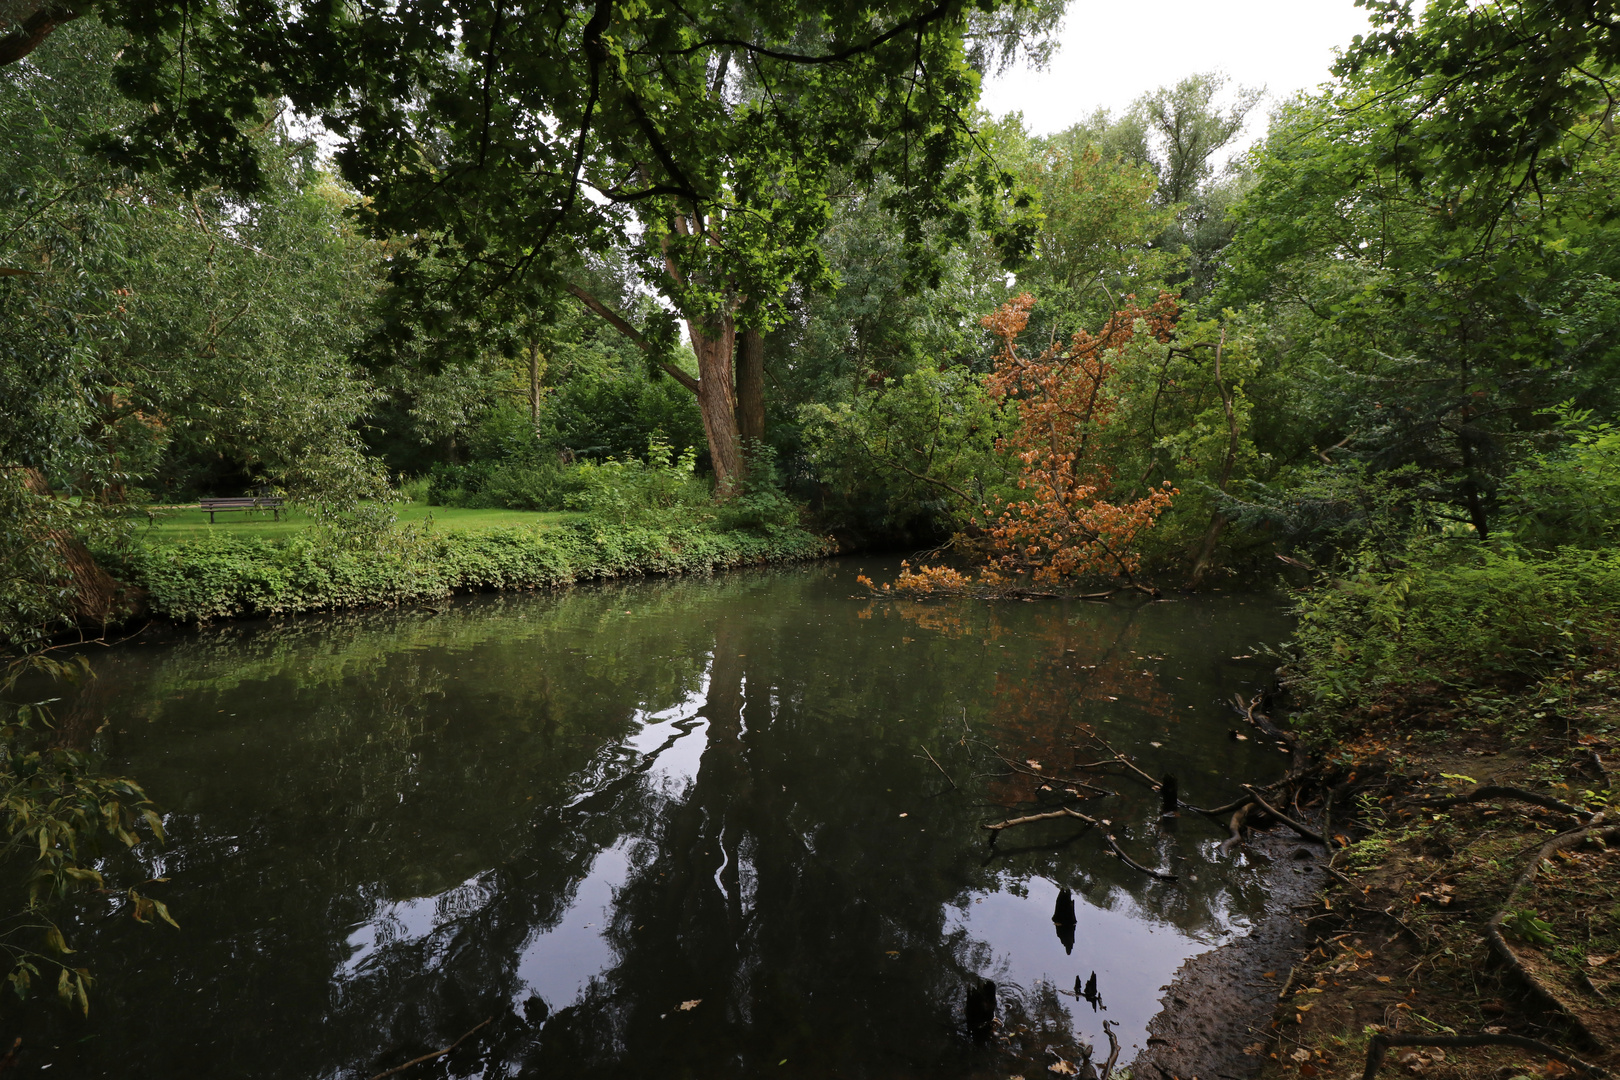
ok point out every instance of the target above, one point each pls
(1474, 894)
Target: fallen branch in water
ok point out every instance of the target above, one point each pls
(1113, 1050)
(1309, 834)
(1380, 1044)
(1118, 758)
(1132, 863)
(941, 769)
(430, 1057)
(1047, 816)
(1024, 770)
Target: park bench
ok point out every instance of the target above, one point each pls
(243, 502)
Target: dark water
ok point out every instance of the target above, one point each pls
(571, 813)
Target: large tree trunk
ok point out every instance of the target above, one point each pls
(97, 596)
(714, 340)
(751, 385)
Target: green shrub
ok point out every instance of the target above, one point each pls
(317, 570)
(629, 491)
(1571, 497)
(761, 504)
(614, 415)
(415, 490)
(1485, 617)
(520, 487)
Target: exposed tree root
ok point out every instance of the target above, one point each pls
(1240, 817)
(1488, 792)
(1380, 1044)
(1504, 952)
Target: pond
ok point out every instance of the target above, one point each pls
(688, 827)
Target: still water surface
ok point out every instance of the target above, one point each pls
(571, 813)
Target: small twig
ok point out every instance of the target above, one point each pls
(942, 771)
(1113, 1050)
(1343, 880)
(1121, 758)
(1288, 982)
(430, 1057)
(1309, 834)
(1380, 1044)
(1024, 770)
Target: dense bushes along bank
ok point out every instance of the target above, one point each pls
(326, 571)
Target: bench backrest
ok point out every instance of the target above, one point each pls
(240, 501)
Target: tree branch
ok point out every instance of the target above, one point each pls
(623, 326)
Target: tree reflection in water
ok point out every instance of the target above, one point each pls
(575, 812)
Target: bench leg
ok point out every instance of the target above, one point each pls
(210, 517)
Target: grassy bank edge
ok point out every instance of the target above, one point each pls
(232, 577)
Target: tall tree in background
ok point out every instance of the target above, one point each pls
(506, 138)
(1432, 315)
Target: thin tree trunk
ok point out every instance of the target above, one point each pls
(751, 384)
(1217, 522)
(534, 382)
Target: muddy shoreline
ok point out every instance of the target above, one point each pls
(1218, 1007)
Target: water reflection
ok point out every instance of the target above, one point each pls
(577, 813)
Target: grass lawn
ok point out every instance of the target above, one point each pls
(176, 525)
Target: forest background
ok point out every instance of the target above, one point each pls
(773, 276)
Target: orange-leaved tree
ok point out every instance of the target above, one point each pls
(1066, 527)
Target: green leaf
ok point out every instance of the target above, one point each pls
(54, 939)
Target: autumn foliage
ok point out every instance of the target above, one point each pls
(1068, 525)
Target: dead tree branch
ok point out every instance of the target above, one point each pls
(435, 1054)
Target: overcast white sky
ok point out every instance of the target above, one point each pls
(1112, 52)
